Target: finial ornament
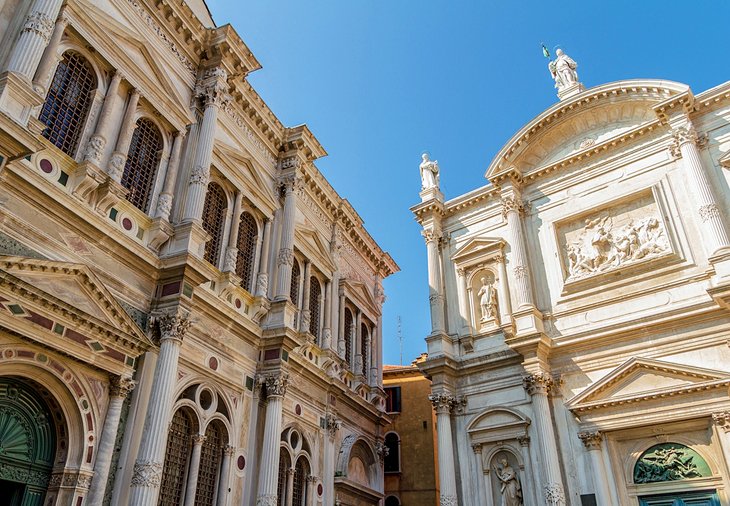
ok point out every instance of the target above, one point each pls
(565, 73)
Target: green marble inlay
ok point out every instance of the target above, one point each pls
(670, 462)
(11, 247)
(63, 178)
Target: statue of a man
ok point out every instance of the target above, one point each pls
(564, 70)
(429, 173)
(509, 484)
(487, 300)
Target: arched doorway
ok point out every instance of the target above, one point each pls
(28, 438)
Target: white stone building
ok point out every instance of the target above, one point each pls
(162, 233)
(579, 301)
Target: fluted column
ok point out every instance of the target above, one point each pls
(262, 279)
(435, 291)
(50, 55)
(34, 37)
(147, 473)
(224, 482)
(333, 425)
(269, 464)
(97, 143)
(229, 261)
(119, 157)
(306, 314)
(722, 424)
(341, 349)
(285, 258)
(712, 226)
(326, 341)
(164, 201)
(191, 486)
(528, 487)
(214, 93)
(478, 470)
(505, 304)
(464, 302)
(512, 210)
(592, 442)
(538, 386)
(118, 391)
(443, 405)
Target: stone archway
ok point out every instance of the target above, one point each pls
(30, 426)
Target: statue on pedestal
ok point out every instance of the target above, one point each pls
(564, 70)
(509, 484)
(429, 173)
(487, 300)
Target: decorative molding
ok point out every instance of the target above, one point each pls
(40, 24)
(591, 440)
(276, 384)
(709, 212)
(285, 257)
(512, 205)
(171, 325)
(333, 425)
(448, 500)
(442, 403)
(554, 494)
(540, 383)
(95, 149)
(430, 236)
(381, 450)
(722, 420)
(120, 386)
(237, 118)
(266, 500)
(147, 474)
(523, 440)
(200, 175)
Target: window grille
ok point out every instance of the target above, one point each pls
(143, 159)
(299, 490)
(214, 217)
(210, 459)
(284, 465)
(68, 102)
(294, 288)
(247, 234)
(177, 455)
(364, 333)
(315, 292)
(348, 337)
(392, 460)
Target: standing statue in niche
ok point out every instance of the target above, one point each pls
(429, 173)
(509, 484)
(564, 70)
(487, 300)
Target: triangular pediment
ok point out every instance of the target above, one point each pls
(311, 244)
(642, 379)
(67, 290)
(241, 167)
(480, 247)
(359, 293)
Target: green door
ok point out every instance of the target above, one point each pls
(27, 443)
(703, 498)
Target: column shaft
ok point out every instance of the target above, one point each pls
(286, 244)
(435, 291)
(50, 55)
(269, 462)
(306, 316)
(326, 340)
(464, 303)
(341, 331)
(97, 143)
(191, 486)
(447, 472)
(164, 201)
(229, 262)
(34, 37)
(224, 481)
(513, 213)
(200, 174)
(119, 157)
(262, 280)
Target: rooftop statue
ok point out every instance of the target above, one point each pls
(564, 70)
(429, 173)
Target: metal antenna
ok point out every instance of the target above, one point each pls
(400, 338)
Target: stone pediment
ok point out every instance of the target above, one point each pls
(498, 424)
(643, 379)
(480, 248)
(359, 293)
(241, 168)
(309, 241)
(70, 302)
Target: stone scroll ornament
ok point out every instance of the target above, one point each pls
(601, 246)
(669, 462)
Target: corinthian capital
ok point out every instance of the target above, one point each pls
(591, 440)
(722, 420)
(121, 386)
(276, 384)
(539, 383)
(171, 324)
(290, 183)
(442, 403)
(511, 204)
(212, 89)
(431, 235)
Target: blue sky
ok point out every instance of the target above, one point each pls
(380, 81)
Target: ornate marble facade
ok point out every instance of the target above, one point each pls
(601, 372)
(189, 312)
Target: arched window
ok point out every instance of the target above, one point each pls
(68, 102)
(299, 491)
(315, 292)
(248, 231)
(143, 159)
(392, 500)
(392, 461)
(364, 341)
(348, 337)
(174, 475)
(214, 217)
(284, 466)
(294, 288)
(210, 459)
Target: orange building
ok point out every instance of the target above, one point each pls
(411, 467)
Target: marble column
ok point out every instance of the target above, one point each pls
(505, 304)
(538, 386)
(333, 425)
(528, 487)
(276, 384)
(285, 258)
(147, 473)
(592, 442)
(289, 486)
(341, 349)
(326, 341)
(119, 388)
(447, 472)
(191, 487)
(435, 289)
(231, 256)
(225, 477)
(712, 226)
(115, 168)
(97, 142)
(464, 295)
(357, 344)
(512, 210)
(262, 279)
(213, 91)
(164, 201)
(50, 55)
(478, 470)
(367, 356)
(34, 37)
(722, 424)
(306, 317)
